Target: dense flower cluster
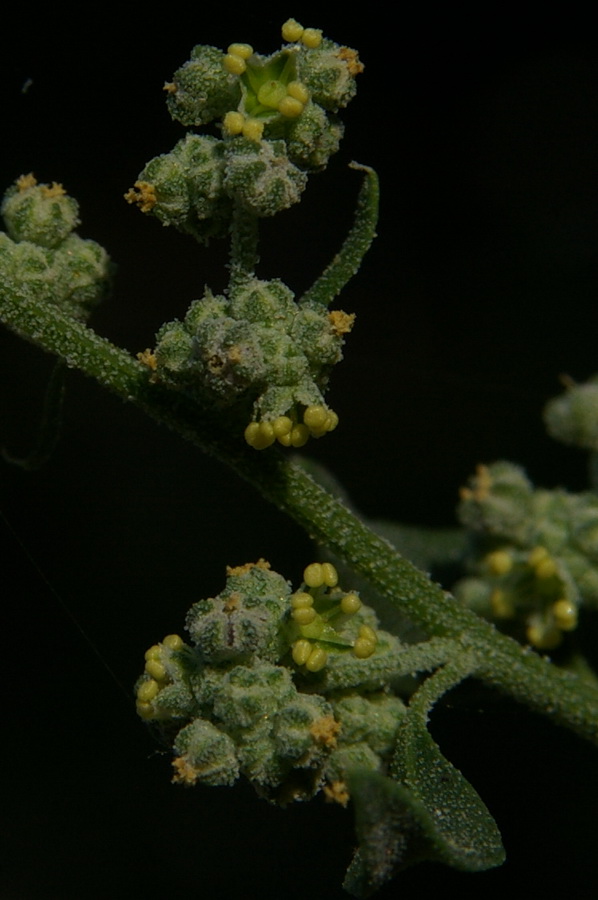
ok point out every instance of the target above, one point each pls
(534, 555)
(248, 696)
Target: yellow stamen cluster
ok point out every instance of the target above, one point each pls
(320, 575)
(317, 421)
(365, 645)
(293, 32)
(305, 654)
(534, 581)
(158, 678)
(314, 609)
(236, 123)
(236, 56)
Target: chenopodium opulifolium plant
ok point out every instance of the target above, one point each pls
(534, 554)
(300, 692)
(42, 258)
(255, 349)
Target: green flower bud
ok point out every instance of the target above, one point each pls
(43, 259)
(247, 695)
(373, 719)
(41, 213)
(83, 275)
(572, 417)
(202, 89)
(313, 138)
(242, 622)
(183, 188)
(206, 754)
(498, 501)
(260, 176)
(348, 757)
(328, 72)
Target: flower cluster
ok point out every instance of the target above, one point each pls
(42, 256)
(278, 119)
(248, 696)
(261, 352)
(534, 554)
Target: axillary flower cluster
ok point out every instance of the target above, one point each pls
(255, 349)
(43, 257)
(256, 691)
(534, 559)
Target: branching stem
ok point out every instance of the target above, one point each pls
(501, 661)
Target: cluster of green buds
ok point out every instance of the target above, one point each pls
(252, 693)
(260, 352)
(277, 118)
(42, 257)
(534, 554)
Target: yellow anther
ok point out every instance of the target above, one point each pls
(350, 604)
(311, 38)
(302, 600)
(317, 660)
(565, 615)
(284, 439)
(301, 652)
(502, 605)
(500, 562)
(362, 648)
(282, 426)
(542, 636)
(313, 575)
(292, 30)
(155, 669)
(332, 420)
(259, 435)
(304, 615)
(290, 107)
(298, 91)
(546, 568)
(234, 64)
(154, 652)
(299, 435)
(173, 642)
(147, 690)
(315, 417)
(329, 574)
(145, 710)
(253, 129)
(242, 50)
(368, 634)
(537, 555)
(233, 122)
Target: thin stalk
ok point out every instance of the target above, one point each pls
(243, 249)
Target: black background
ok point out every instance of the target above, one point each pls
(480, 290)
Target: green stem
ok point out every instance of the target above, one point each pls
(501, 661)
(244, 243)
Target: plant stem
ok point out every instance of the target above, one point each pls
(500, 660)
(243, 249)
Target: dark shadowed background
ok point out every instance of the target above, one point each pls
(480, 290)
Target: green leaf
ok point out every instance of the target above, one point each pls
(458, 826)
